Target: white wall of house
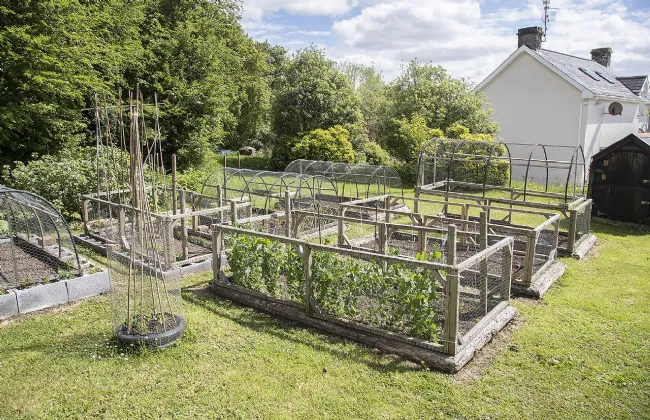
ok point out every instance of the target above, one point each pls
(533, 105)
(603, 130)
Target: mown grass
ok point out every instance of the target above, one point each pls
(582, 352)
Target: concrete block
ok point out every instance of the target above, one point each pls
(89, 285)
(8, 305)
(196, 267)
(42, 297)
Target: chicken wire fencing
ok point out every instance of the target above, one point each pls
(353, 180)
(409, 297)
(36, 245)
(267, 191)
(528, 172)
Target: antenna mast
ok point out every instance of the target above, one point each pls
(548, 15)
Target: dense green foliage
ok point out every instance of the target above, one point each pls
(375, 154)
(56, 55)
(395, 297)
(64, 177)
(332, 144)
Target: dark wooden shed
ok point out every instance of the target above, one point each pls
(619, 181)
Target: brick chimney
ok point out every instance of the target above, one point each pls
(602, 56)
(530, 37)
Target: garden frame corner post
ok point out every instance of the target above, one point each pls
(38, 246)
(305, 298)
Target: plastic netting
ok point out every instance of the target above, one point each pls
(36, 245)
(354, 180)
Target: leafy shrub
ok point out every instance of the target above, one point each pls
(332, 144)
(375, 155)
(64, 177)
(409, 137)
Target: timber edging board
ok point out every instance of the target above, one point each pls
(541, 283)
(493, 323)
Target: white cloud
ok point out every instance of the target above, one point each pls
(456, 34)
(257, 9)
(471, 44)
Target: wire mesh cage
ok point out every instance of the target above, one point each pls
(36, 245)
(140, 220)
(354, 180)
(532, 172)
(266, 190)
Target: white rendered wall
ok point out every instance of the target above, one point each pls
(533, 105)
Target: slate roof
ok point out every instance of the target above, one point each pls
(598, 79)
(634, 83)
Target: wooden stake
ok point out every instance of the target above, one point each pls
(174, 185)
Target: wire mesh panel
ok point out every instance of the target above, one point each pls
(354, 180)
(506, 170)
(36, 245)
(266, 190)
(483, 284)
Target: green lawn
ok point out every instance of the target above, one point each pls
(583, 352)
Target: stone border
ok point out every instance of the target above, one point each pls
(44, 296)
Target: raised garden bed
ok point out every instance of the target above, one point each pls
(439, 313)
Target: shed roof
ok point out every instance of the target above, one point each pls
(642, 143)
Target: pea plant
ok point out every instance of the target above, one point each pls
(397, 296)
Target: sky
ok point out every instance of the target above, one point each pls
(470, 38)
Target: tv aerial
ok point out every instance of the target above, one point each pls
(548, 16)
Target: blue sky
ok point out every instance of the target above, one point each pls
(468, 37)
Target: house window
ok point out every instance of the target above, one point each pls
(604, 78)
(589, 74)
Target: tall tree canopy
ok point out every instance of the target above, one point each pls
(429, 91)
(314, 94)
(54, 55)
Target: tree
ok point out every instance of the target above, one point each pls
(332, 144)
(410, 137)
(314, 94)
(440, 99)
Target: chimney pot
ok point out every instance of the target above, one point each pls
(530, 37)
(602, 56)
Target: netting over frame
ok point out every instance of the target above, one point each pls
(480, 166)
(36, 245)
(355, 180)
(266, 189)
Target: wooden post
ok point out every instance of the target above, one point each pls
(450, 334)
(483, 244)
(225, 161)
(529, 259)
(340, 239)
(233, 212)
(84, 215)
(174, 185)
(195, 219)
(307, 269)
(217, 247)
(422, 235)
(506, 273)
(168, 229)
(287, 213)
(464, 215)
(416, 201)
(220, 203)
(383, 239)
(573, 227)
(238, 160)
(387, 208)
(184, 227)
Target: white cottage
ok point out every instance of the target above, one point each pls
(546, 97)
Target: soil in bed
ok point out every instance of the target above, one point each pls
(29, 268)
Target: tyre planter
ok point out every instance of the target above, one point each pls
(173, 331)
